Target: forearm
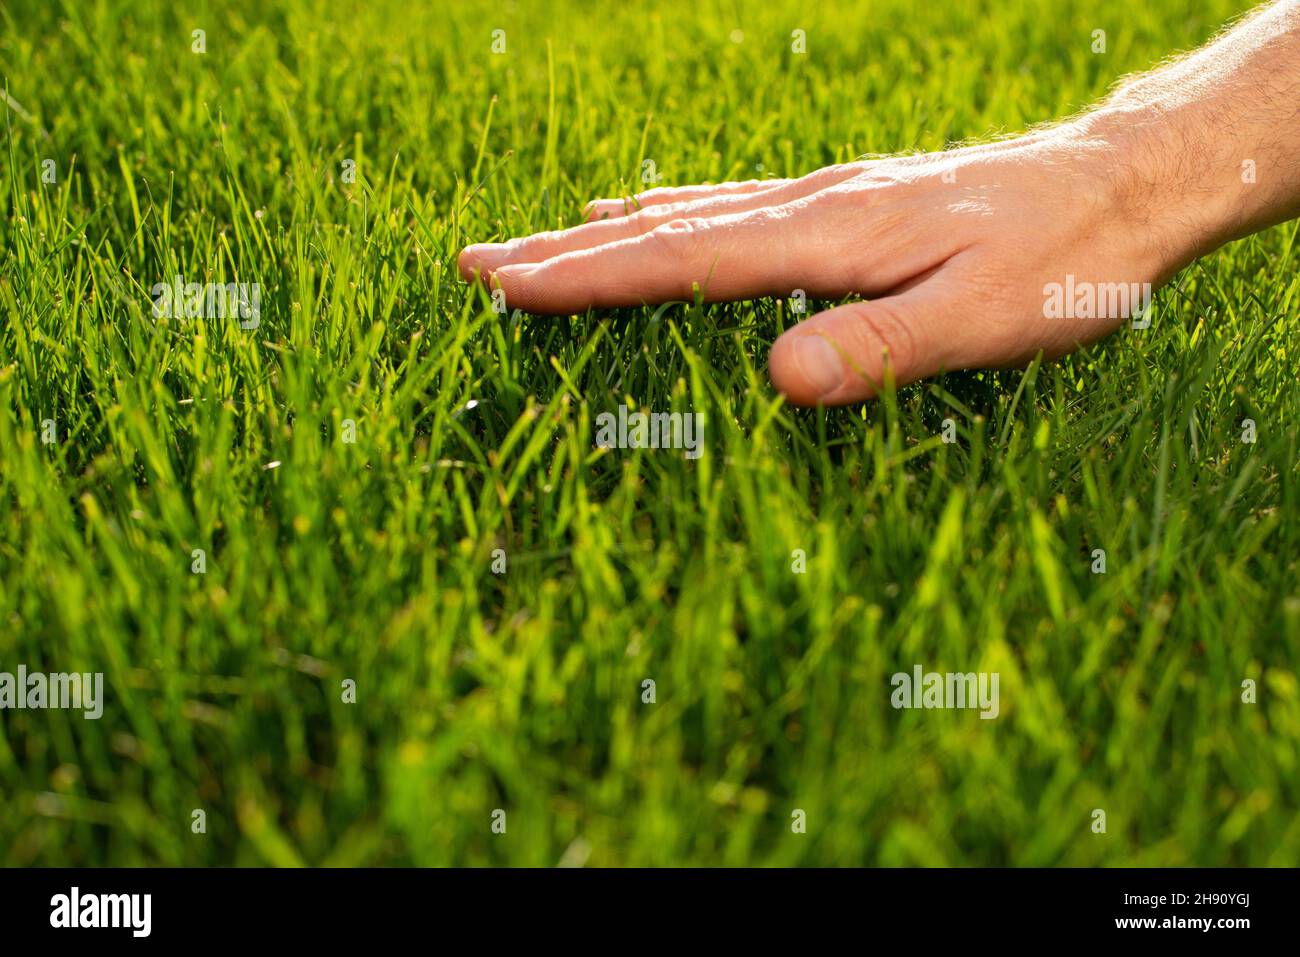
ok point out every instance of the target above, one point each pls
(1211, 142)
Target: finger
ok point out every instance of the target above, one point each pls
(804, 244)
(664, 195)
(844, 354)
(485, 258)
(835, 242)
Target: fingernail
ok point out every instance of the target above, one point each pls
(818, 363)
(605, 208)
(486, 256)
(518, 271)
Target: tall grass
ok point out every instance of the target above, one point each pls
(328, 561)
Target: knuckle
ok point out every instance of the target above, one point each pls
(648, 219)
(677, 240)
(876, 193)
(825, 176)
(840, 196)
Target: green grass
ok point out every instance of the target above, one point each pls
(372, 561)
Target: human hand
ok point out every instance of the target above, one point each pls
(953, 248)
(984, 256)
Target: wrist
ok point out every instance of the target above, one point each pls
(1207, 149)
(1190, 183)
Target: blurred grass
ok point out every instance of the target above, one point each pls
(523, 691)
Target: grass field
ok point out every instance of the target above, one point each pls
(370, 561)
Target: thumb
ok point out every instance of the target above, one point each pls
(840, 356)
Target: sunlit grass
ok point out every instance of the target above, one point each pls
(372, 561)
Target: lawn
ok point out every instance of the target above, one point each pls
(358, 577)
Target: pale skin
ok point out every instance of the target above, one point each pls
(953, 251)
